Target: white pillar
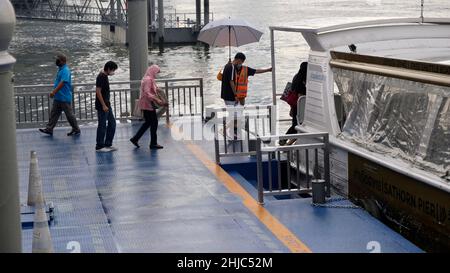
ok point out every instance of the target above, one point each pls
(10, 227)
(137, 43)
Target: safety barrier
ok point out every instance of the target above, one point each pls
(292, 174)
(33, 103)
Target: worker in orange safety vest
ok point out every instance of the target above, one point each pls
(235, 80)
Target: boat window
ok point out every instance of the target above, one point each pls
(339, 107)
(402, 118)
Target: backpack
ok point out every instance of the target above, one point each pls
(220, 74)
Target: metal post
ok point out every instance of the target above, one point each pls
(318, 191)
(161, 22)
(166, 86)
(216, 136)
(202, 100)
(206, 11)
(272, 55)
(138, 43)
(273, 119)
(316, 171)
(260, 171)
(10, 229)
(73, 100)
(198, 12)
(326, 164)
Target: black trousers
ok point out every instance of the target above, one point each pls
(291, 129)
(151, 121)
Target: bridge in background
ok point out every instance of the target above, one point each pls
(78, 11)
(112, 13)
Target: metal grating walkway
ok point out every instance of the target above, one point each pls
(136, 200)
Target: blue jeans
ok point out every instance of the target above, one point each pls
(103, 130)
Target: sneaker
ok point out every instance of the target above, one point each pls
(46, 131)
(102, 150)
(134, 142)
(110, 148)
(74, 133)
(155, 147)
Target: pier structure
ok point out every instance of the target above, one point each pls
(165, 24)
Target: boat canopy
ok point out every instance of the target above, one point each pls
(392, 82)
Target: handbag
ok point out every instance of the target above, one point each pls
(137, 111)
(220, 74)
(289, 95)
(286, 91)
(163, 109)
(161, 96)
(292, 98)
(160, 109)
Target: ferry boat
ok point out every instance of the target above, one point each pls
(381, 89)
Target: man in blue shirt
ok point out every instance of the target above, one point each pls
(62, 95)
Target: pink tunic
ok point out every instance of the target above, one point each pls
(148, 89)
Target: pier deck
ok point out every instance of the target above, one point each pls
(176, 200)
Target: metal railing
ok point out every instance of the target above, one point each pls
(293, 164)
(180, 20)
(237, 128)
(33, 104)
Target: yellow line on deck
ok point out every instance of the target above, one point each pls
(272, 223)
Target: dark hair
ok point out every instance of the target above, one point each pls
(299, 80)
(61, 57)
(110, 65)
(240, 56)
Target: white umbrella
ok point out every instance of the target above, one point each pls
(229, 32)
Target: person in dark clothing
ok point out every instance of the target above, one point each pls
(299, 80)
(235, 84)
(235, 80)
(62, 99)
(298, 86)
(105, 134)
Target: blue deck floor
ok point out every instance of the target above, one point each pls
(137, 200)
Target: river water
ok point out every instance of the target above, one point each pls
(35, 43)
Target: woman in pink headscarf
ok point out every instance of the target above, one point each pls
(147, 97)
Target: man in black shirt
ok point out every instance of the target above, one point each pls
(235, 80)
(104, 110)
(235, 86)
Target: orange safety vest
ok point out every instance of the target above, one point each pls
(242, 83)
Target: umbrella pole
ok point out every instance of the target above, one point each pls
(229, 44)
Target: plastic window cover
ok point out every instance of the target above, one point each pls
(399, 118)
